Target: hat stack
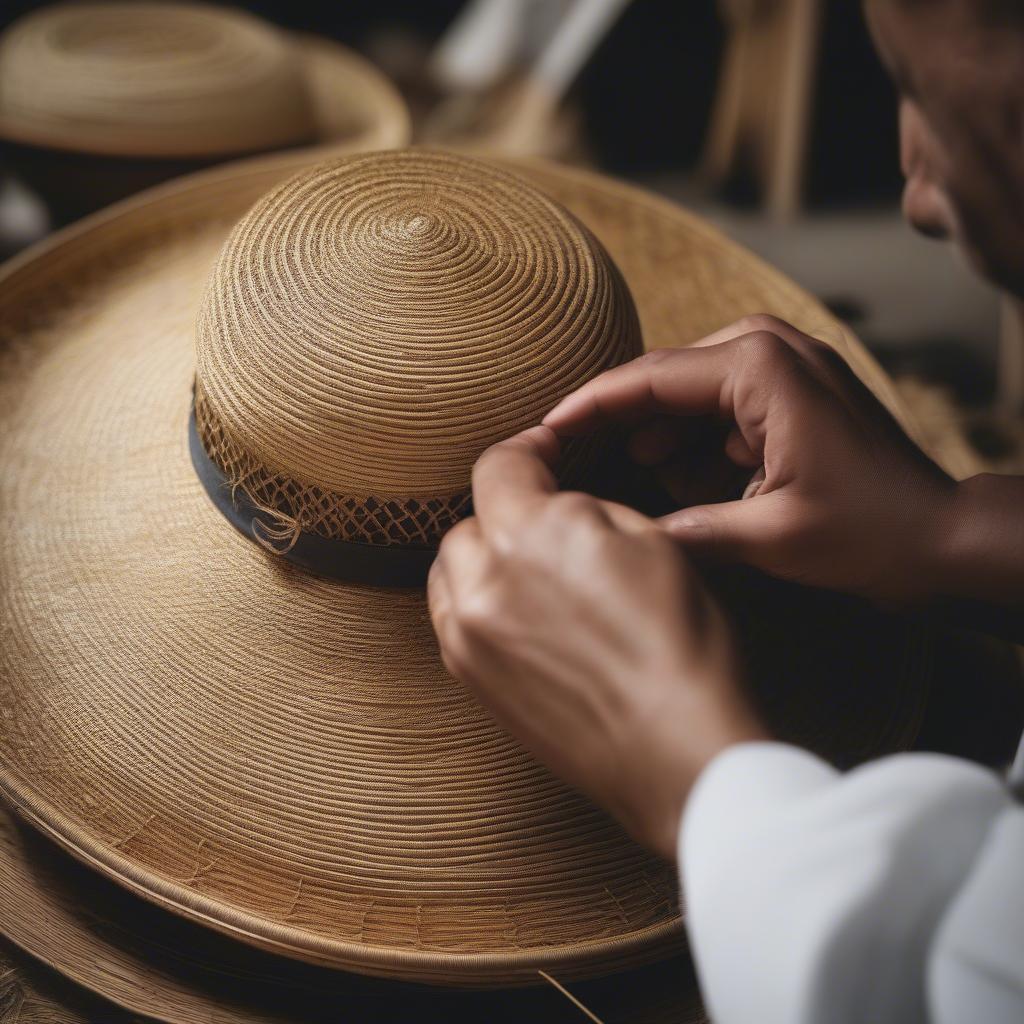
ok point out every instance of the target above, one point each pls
(99, 100)
(231, 437)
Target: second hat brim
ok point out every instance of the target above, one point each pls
(354, 107)
(150, 963)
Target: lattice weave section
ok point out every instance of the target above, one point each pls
(375, 323)
(420, 522)
(298, 507)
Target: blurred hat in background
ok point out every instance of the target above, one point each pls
(100, 100)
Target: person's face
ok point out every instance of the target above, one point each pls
(961, 88)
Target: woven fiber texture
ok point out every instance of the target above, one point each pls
(30, 994)
(282, 757)
(351, 105)
(155, 78)
(156, 965)
(294, 507)
(375, 323)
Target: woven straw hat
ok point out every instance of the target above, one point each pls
(98, 100)
(157, 966)
(223, 449)
(184, 80)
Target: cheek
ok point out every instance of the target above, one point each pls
(985, 188)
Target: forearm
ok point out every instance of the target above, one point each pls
(978, 569)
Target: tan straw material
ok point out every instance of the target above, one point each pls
(32, 994)
(153, 964)
(180, 80)
(282, 757)
(99, 101)
(367, 334)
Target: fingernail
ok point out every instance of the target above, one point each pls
(690, 524)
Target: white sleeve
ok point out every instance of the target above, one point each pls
(816, 896)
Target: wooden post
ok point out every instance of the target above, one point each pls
(764, 101)
(797, 62)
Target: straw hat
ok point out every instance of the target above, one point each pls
(152, 964)
(127, 94)
(275, 751)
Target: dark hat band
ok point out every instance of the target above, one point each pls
(346, 560)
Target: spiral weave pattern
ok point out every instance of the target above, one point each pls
(283, 757)
(375, 323)
(154, 79)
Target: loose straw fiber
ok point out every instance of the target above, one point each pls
(278, 756)
(183, 80)
(30, 994)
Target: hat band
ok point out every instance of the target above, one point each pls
(347, 560)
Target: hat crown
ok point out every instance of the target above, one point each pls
(376, 322)
(172, 78)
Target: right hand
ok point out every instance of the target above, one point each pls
(840, 498)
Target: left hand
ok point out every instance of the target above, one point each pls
(584, 629)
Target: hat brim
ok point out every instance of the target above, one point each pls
(152, 963)
(280, 757)
(354, 108)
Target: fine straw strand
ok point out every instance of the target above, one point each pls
(572, 999)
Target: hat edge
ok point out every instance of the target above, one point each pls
(463, 970)
(384, 132)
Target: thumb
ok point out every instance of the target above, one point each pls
(733, 531)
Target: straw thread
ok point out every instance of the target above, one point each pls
(572, 999)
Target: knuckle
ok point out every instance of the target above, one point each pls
(453, 657)
(572, 504)
(477, 610)
(564, 514)
(765, 349)
(597, 542)
(454, 536)
(656, 356)
(756, 323)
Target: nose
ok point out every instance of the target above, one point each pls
(925, 206)
(924, 209)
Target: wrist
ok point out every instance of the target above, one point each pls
(979, 543)
(684, 742)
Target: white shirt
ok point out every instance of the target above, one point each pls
(892, 893)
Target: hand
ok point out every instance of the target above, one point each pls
(841, 498)
(582, 627)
